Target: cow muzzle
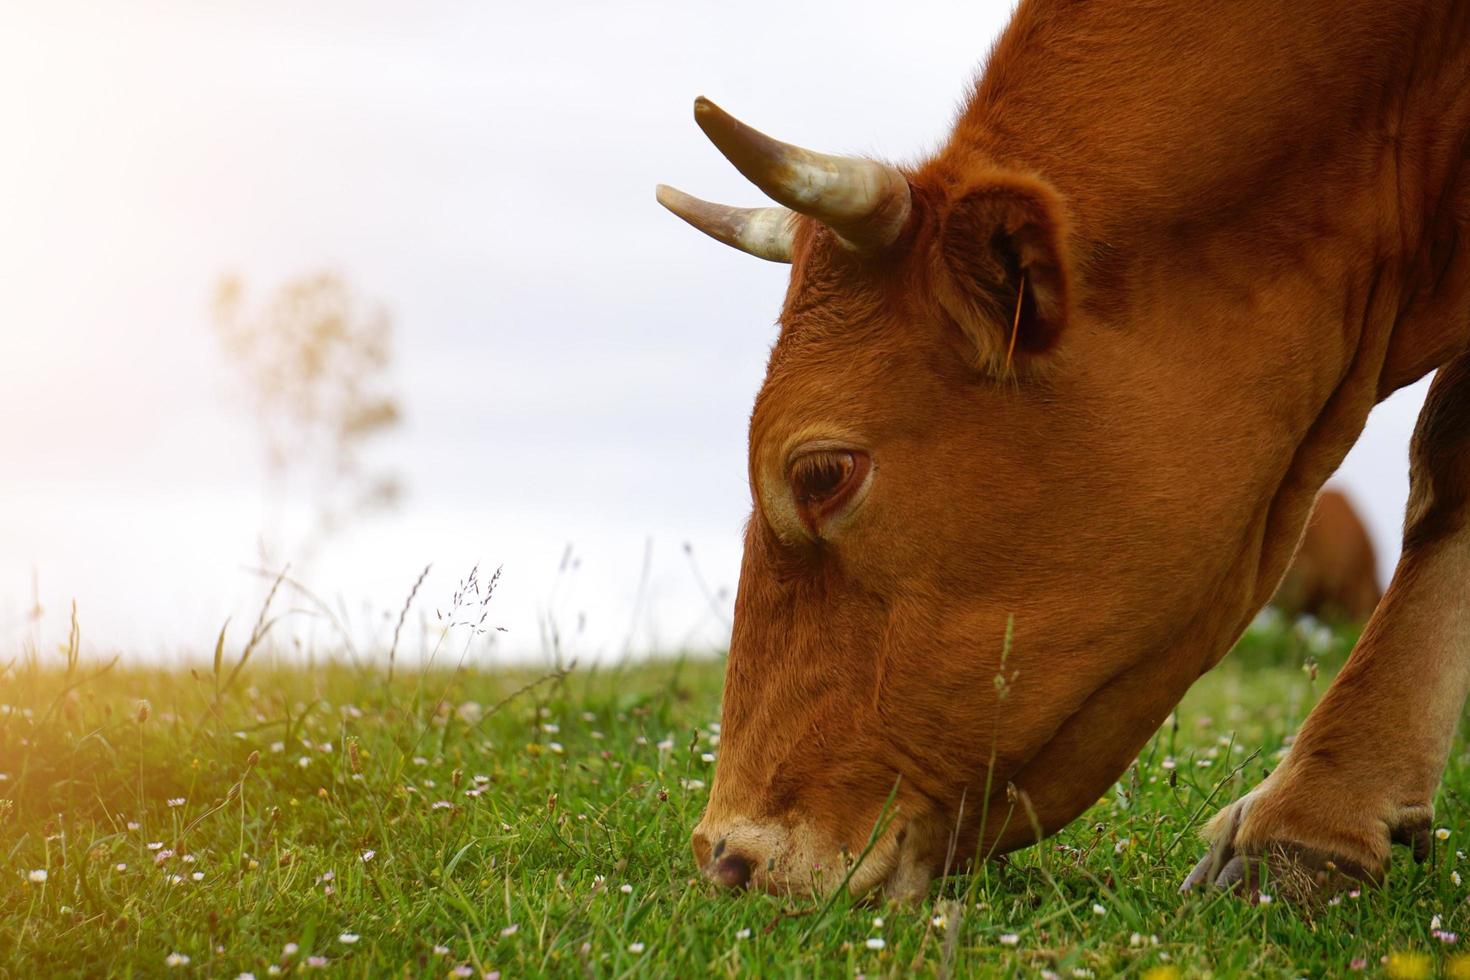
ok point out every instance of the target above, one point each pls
(741, 854)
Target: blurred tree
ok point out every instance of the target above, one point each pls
(315, 364)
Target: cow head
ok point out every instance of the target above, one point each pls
(944, 642)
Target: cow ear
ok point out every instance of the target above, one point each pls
(1003, 269)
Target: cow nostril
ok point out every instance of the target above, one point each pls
(719, 848)
(732, 871)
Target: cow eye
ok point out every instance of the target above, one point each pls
(822, 481)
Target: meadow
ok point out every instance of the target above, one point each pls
(259, 816)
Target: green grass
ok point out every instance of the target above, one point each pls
(550, 837)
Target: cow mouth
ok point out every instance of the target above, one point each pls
(934, 843)
(896, 868)
(896, 865)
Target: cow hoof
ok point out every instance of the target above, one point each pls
(1261, 844)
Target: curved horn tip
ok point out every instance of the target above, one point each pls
(674, 199)
(763, 232)
(866, 203)
(707, 114)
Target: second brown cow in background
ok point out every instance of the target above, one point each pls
(1335, 574)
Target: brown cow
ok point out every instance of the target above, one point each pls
(1335, 574)
(1045, 420)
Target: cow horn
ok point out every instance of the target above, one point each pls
(866, 203)
(763, 232)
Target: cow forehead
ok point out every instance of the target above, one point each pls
(827, 383)
(839, 312)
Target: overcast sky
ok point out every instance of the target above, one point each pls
(577, 366)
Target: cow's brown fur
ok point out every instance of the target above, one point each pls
(1334, 576)
(1233, 228)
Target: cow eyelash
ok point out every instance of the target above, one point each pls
(817, 476)
(823, 480)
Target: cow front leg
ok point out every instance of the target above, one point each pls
(1364, 768)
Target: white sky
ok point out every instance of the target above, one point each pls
(576, 365)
